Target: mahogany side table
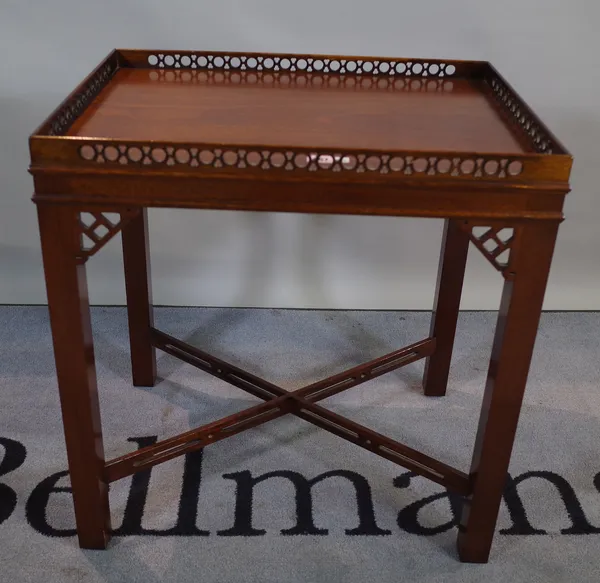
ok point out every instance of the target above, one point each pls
(306, 134)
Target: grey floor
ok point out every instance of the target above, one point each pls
(558, 439)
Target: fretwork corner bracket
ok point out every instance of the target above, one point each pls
(495, 243)
(99, 227)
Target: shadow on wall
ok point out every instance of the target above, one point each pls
(372, 259)
(19, 241)
(287, 260)
(575, 275)
(220, 255)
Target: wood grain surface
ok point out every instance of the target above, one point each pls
(201, 106)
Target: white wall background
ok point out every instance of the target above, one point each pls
(548, 49)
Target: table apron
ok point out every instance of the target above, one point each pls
(482, 200)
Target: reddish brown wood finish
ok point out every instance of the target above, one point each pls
(314, 392)
(318, 134)
(384, 121)
(101, 229)
(138, 286)
(280, 402)
(451, 273)
(514, 340)
(495, 243)
(299, 403)
(75, 368)
(483, 201)
(201, 106)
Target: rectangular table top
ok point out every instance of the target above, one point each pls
(260, 131)
(310, 111)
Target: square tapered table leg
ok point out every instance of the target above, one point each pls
(136, 262)
(451, 273)
(75, 368)
(514, 340)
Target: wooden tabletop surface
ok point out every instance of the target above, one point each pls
(330, 111)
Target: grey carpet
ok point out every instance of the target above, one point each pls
(558, 440)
